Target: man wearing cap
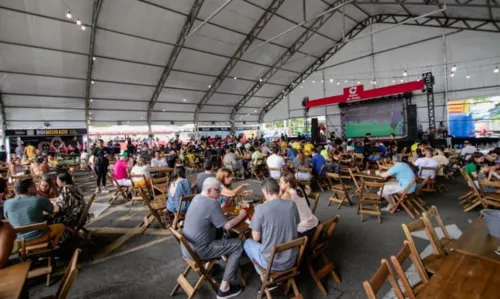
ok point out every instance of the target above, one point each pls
(120, 171)
(468, 150)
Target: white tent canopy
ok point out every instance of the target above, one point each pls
(140, 61)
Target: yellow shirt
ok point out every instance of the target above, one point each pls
(283, 145)
(53, 161)
(297, 146)
(30, 151)
(308, 147)
(413, 148)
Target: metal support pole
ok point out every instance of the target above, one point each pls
(4, 121)
(445, 69)
(210, 17)
(323, 82)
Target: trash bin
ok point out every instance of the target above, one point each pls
(492, 219)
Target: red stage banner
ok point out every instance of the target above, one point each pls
(357, 93)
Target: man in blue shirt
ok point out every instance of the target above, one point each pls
(291, 153)
(404, 176)
(318, 161)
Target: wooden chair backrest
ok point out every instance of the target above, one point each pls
(338, 178)
(397, 261)
(85, 215)
(323, 233)
(433, 213)
(299, 243)
(471, 184)
(366, 188)
(418, 225)
(407, 189)
(421, 184)
(433, 169)
(22, 248)
(181, 240)
(304, 170)
(373, 285)
(315, 196)
(69, 276)
(184, 199)
(20, 177)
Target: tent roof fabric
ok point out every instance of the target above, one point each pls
(190, 61)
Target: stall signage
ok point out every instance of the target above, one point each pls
(46, 132)
(357, 93)
(213, 129)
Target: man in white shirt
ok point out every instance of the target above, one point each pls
(427, 161)
(275, 161)
(158, 161)
(468, 150)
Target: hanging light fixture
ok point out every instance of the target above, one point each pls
(331, 80)
(393, 81)
(78, 22)
(452, 75)
(68, 15)
(322, 81)
(93, 58)
(454, 68)
(235, 78)
(468, 76)
(405, 73)
(92, 82)
(402, 80)
(345, 81)
(496, 70)
(338, 83)
(359, 82)
(374, 82)
(84, 28)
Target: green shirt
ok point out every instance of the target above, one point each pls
(257, 158)
(470, 168)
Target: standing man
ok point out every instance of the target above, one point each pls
(203, 218)
(272, 224)
(30, 151)
(393, 145)
(101, 163)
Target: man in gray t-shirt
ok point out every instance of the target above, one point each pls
(273, 223)
(203, 175)
(204, 216)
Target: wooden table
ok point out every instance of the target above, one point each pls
(464, 276)
(368, 174)
(12, 280)
(242, 227)
(476, 242)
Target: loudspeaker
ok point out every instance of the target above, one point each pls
(411, 117)
(314, 130)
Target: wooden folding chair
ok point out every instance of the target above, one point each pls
(255, 171)
(446, 242)
(405, 203)
(489, 199)
(137, 188)
(81, 223)
(431, 263)
(16, 178)
(154, 211)
(397, 261)
(68, 278)
(270, 277)
(415, 198)
(315, 196)
(180, 216)
(357, 184)
(120, 191)
(430, 184)
(340, 191)
(201, 267)
(371, 196)
(322, 180)
(273, 169)
(317, 249)
(471, 198)
(375, 283)
(303, 181)
(35, 251)
(159, 188)
(358, 160)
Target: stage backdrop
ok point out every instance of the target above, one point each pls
(380, 118)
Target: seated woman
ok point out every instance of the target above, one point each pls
(141, 167)
(472, 167)
(36, 167)
(15, 167)
(179, 187)
(289, 189)
(71, 203)
(485, 173)
(46, 188)
(301, 161)
(225, 178)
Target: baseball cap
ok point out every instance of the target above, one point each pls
(124, 154)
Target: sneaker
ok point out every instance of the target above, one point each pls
(97, 190)
(271, 288)
(105, 190)
(386, 209)
(232, 292)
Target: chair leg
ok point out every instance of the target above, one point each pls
(316, 279)
(295, 289)
(334, 273)
(177, 286)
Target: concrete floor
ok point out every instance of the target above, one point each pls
(147, 265)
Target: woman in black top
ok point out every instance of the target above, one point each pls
(101, 163)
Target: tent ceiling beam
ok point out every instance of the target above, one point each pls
(242, 48)
(217, 25)
(383, 19)
(90, 62)
(181, 39)
(287, 55)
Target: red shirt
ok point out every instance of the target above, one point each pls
(120, 172)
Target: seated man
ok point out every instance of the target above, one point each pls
(404, 175)
(203, 218)
(120, 173)
(442, 160)
(202, 176)
(231, 158)
(158, 161)
(26, 209)
(272, 224)
(427, 161)
(275, 161)
(318, 161)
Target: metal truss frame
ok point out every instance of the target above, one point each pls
(286, 56)
(95, 16)
(243, 47)
(471, 24)
(188, 24)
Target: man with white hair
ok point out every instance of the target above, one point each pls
(404, 176)
(203, 218)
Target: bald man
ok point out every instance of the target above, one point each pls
(203, 218)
